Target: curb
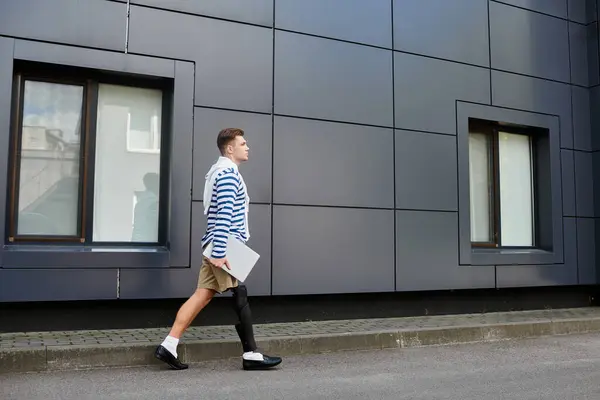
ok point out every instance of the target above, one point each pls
(60, 358)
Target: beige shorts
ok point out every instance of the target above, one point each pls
(215, 278)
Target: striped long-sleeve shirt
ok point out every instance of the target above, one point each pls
(226, 213)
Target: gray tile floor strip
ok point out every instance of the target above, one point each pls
(154, 335)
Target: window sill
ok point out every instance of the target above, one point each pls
(477, 250)
(487, 256)
(25, 256)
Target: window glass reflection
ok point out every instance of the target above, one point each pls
(126, 183)
(48, 196)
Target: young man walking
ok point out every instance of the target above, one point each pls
(226, 205)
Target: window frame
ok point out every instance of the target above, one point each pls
(90, 81)
(549, 175)
(492, 131)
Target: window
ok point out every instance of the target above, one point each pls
(502, 187)
(509, 186)
(87, 159)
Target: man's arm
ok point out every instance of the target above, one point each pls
(227, 186)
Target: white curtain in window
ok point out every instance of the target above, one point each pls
(479, 176)
(126, 187)
(516, 194)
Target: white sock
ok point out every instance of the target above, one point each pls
(170, 343)
(253, 356)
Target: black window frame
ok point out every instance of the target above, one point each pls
(90, 79)
(492, 130)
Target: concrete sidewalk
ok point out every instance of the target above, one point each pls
(41, 351)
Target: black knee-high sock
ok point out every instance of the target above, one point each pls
(244, 326)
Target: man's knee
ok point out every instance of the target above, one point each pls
(204, 294)
(240, 300)
(240, 294)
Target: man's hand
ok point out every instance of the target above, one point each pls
(220, 262)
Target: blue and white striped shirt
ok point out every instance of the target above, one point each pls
(226, 214)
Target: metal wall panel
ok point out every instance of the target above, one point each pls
(455, 30)
(558, 8)
(57, 285)
(513, 32)
(234, 72)
(568, 182)
(426, 176)
(258, 131)
(87, 58)
(258, 12)
(570, 234)
(332, 164)
(582, 11)
(332, 250)
(596, 180)
(331, 80)
(91, 23)
(259, 280)
(426, 91)
(592, 54)
(368, 22)
(537, 95)
(427, 254)
(596, 245)
(584, 184)
(158, 283)
(510, 276)
(582, 135)
(578, 46)
(595, 117)
(577, 10)
(586, 250)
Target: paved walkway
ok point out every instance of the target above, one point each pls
(88, 349)
(156, 335)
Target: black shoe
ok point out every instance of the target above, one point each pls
(266, 363)
(165, 355)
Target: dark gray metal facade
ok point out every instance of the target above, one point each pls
(357, 120)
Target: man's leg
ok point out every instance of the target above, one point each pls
(189, 311)
(167, 351)
(244, 326)
(251, 358)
